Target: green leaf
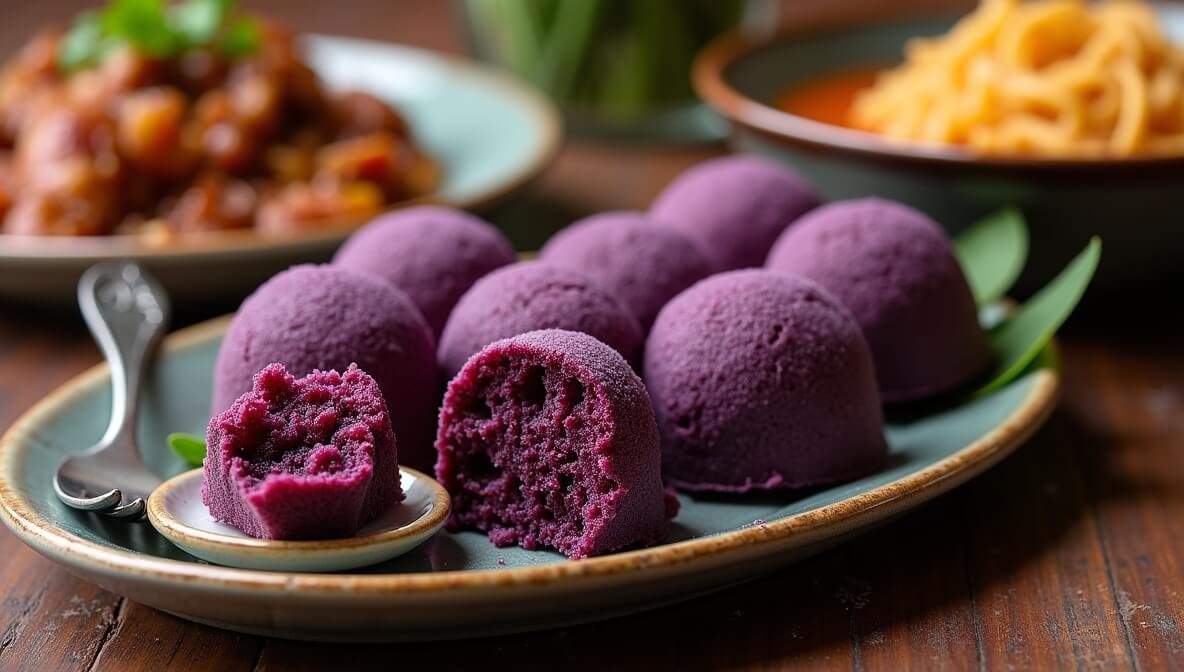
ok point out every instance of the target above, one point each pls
(198, 21)
(1024, 335)
(159, 30)
(84, 44)
(242, 37)
(141, 23)
(189, 447)
(993, 252)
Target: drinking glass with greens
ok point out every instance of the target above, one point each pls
(616, 67)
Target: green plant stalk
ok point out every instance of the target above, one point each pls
(616, 57)
(514, 36)
(568, 42)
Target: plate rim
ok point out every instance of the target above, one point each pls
(160, 516)
(831, 520)
(38, 250)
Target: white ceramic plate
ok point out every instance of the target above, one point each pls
(176, 511)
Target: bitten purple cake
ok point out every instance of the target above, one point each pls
(324, 317)
(896, 272)
(548, 439)
(534, 295)
(762, 380)
(307, 458)
(734, 207)
(432, 253)
(642, 264)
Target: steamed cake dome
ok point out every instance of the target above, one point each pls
(896, 272)
(534, 295)
(641, 264)
(323, 317)
(734, 207)
(762, 380)
(548, 439)
(432, 253)
(307, 458)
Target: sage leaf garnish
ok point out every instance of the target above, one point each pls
(189, 447)
(993, 252)
(1025, 333)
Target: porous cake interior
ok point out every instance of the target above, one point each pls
(302, 430)
(529, 442)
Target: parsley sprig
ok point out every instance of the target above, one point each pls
(158, 29)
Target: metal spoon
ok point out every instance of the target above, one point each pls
(127, 312)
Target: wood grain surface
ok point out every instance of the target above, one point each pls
(1068, 555)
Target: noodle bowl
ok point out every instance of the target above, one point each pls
(1050, 77)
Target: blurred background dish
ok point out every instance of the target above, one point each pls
(1042, 78)
(1132, 202)
(162, 121)
(482, 157)
(617, 68)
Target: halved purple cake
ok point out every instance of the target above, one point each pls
(548, 439)
(302, 458)
(324, 317)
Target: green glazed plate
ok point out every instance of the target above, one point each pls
(459, 585)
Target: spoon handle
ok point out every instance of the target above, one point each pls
(126, 311)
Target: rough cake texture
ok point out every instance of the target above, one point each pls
(324, 317)
(548, 439)
(734, 207)
(896, 272)
(762, 380)
(534, 295)
(307, 458)
(641, 264)
(432, 253)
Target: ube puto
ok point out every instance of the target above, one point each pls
(734, 207)
(532, 295)
(325, 317)
(895, 270)
(547, 439)
(641, 264)
(302, 458)
(432, 253)
(762, 381)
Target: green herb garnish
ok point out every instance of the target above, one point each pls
(189, 447)
(1024, 335)
(159, 30)
(993, 252)
(199, 22)
(240, 38)
(84, 45)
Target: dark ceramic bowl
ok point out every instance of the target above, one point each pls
(1135, 205)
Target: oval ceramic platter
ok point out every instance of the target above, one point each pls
(490, 133)
(457, 585)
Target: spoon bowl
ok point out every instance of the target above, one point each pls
(176, 511)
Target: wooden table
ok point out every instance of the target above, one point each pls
(1069, 554)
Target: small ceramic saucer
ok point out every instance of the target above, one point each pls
(176, 511)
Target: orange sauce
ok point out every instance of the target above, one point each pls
(827, 99)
